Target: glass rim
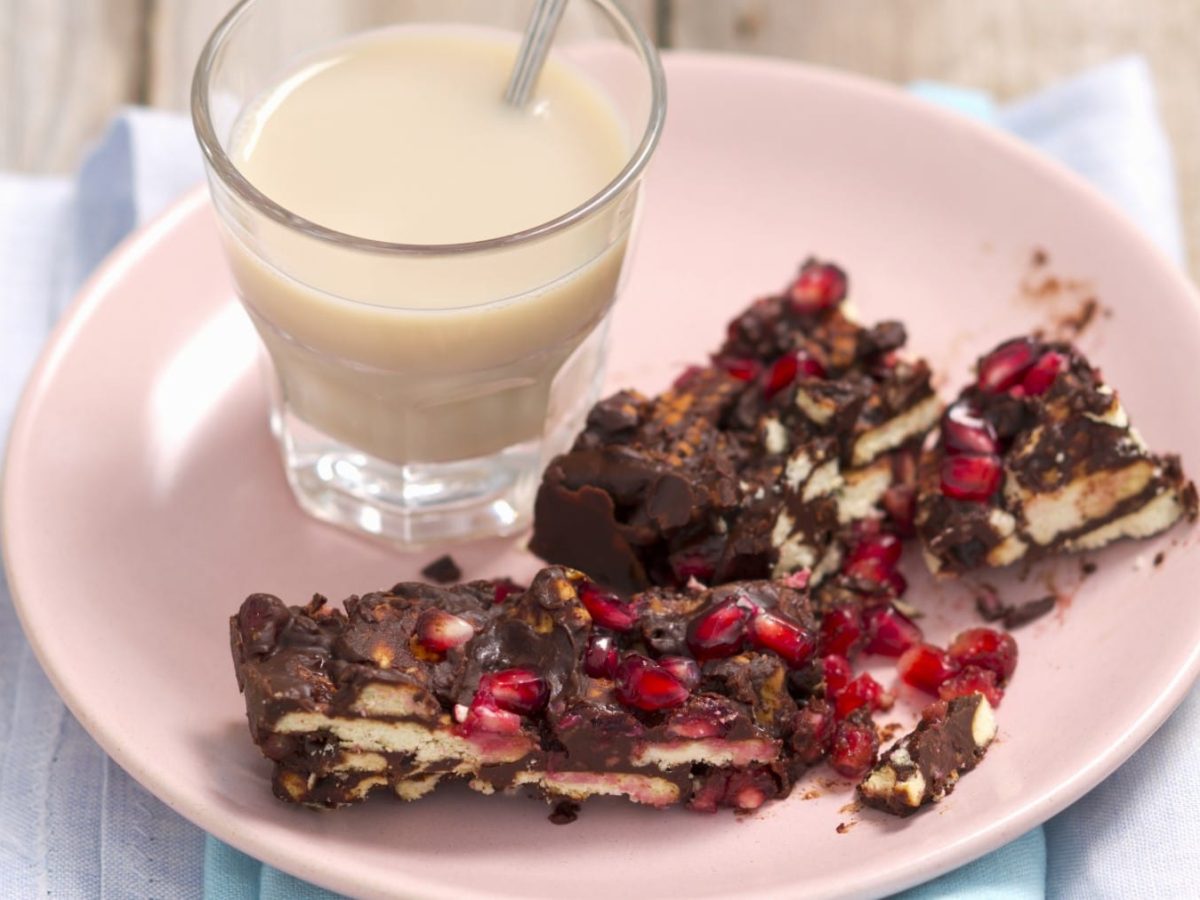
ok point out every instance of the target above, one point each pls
(228, 173)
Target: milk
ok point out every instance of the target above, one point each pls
(402, 136)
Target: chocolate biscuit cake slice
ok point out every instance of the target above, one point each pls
(756, 465)
(1038, 456)
(704, 698)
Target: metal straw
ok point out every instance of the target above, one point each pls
(535, 46)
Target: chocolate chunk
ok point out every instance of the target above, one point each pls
(443, 570)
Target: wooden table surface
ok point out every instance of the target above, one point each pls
(66, 65)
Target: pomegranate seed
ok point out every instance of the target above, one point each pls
(749, 798)
(607, 610)
(770, 631)
(873, 570)
(988, 649)
(1043, 374)
(600, 658)
(647, 686)
(972, 680)
(687, 566)
(884, 547)
(974, 478)
(965, 431)
(925, 666)
(741, 369)
(900, 503)
(837, 673)
(505, 588)
(862, 691)
(719, 631)
(935, 712)
(440, 631)
(694, 726)
(521, 691)
(486, 715)
(685, 670)
(785, 369)
(888, 632)
(819, 286)
(1004, 366)
(841, 631)
(853, 751)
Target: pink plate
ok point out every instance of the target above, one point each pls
(144, 499)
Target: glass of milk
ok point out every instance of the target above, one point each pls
(431, 271)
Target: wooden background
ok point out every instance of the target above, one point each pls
(65, 65)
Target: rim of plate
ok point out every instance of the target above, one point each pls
(145, 240)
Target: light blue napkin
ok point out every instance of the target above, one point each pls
(73, 824)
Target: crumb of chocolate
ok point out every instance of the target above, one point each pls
(888, 731)
(1087, 568)
(844, 827)
(566, 812)
(851, 808)
(443, 570)
(811, 794)
(1159, 557)
(1040, 257)
(989, 605)
(1072, 325)
(1016, 616)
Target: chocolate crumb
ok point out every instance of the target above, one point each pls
(1017, 616)
(989, 605)
(443, 570)
(844, 827)
(566, 812)
(1159, 557)
(1040, 257)
(1087, 568)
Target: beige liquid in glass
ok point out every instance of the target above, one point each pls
(403, 136)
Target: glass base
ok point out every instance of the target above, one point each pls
(414, 505)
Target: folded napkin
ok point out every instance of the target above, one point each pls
(73, 824)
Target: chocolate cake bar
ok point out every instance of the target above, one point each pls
(753, 466)
(924, 765)
(1038, 456)
(709, 698)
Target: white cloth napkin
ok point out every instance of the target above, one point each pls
(73, 824)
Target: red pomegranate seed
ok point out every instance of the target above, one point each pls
(862, 691)
(647, 686)
(974, 478)
(440, 631)
(694, 726)
(779, 634)
(888, 632)
(687, 566)
(785, 369)
(607, 610)
(925, 666)
(486, 715)
(884, 547)
(685, 670)
(1004, 366)
(873, 570)
(837, 673)
(841, 632)
(741, 369)
(521, 691)
(972, 680)
(1043, 373)
(505, 588)
(900, 503)
(986, 648)
(965, 431)
(600, 658)
(853, 750)
(719, 631)
(818, 286)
